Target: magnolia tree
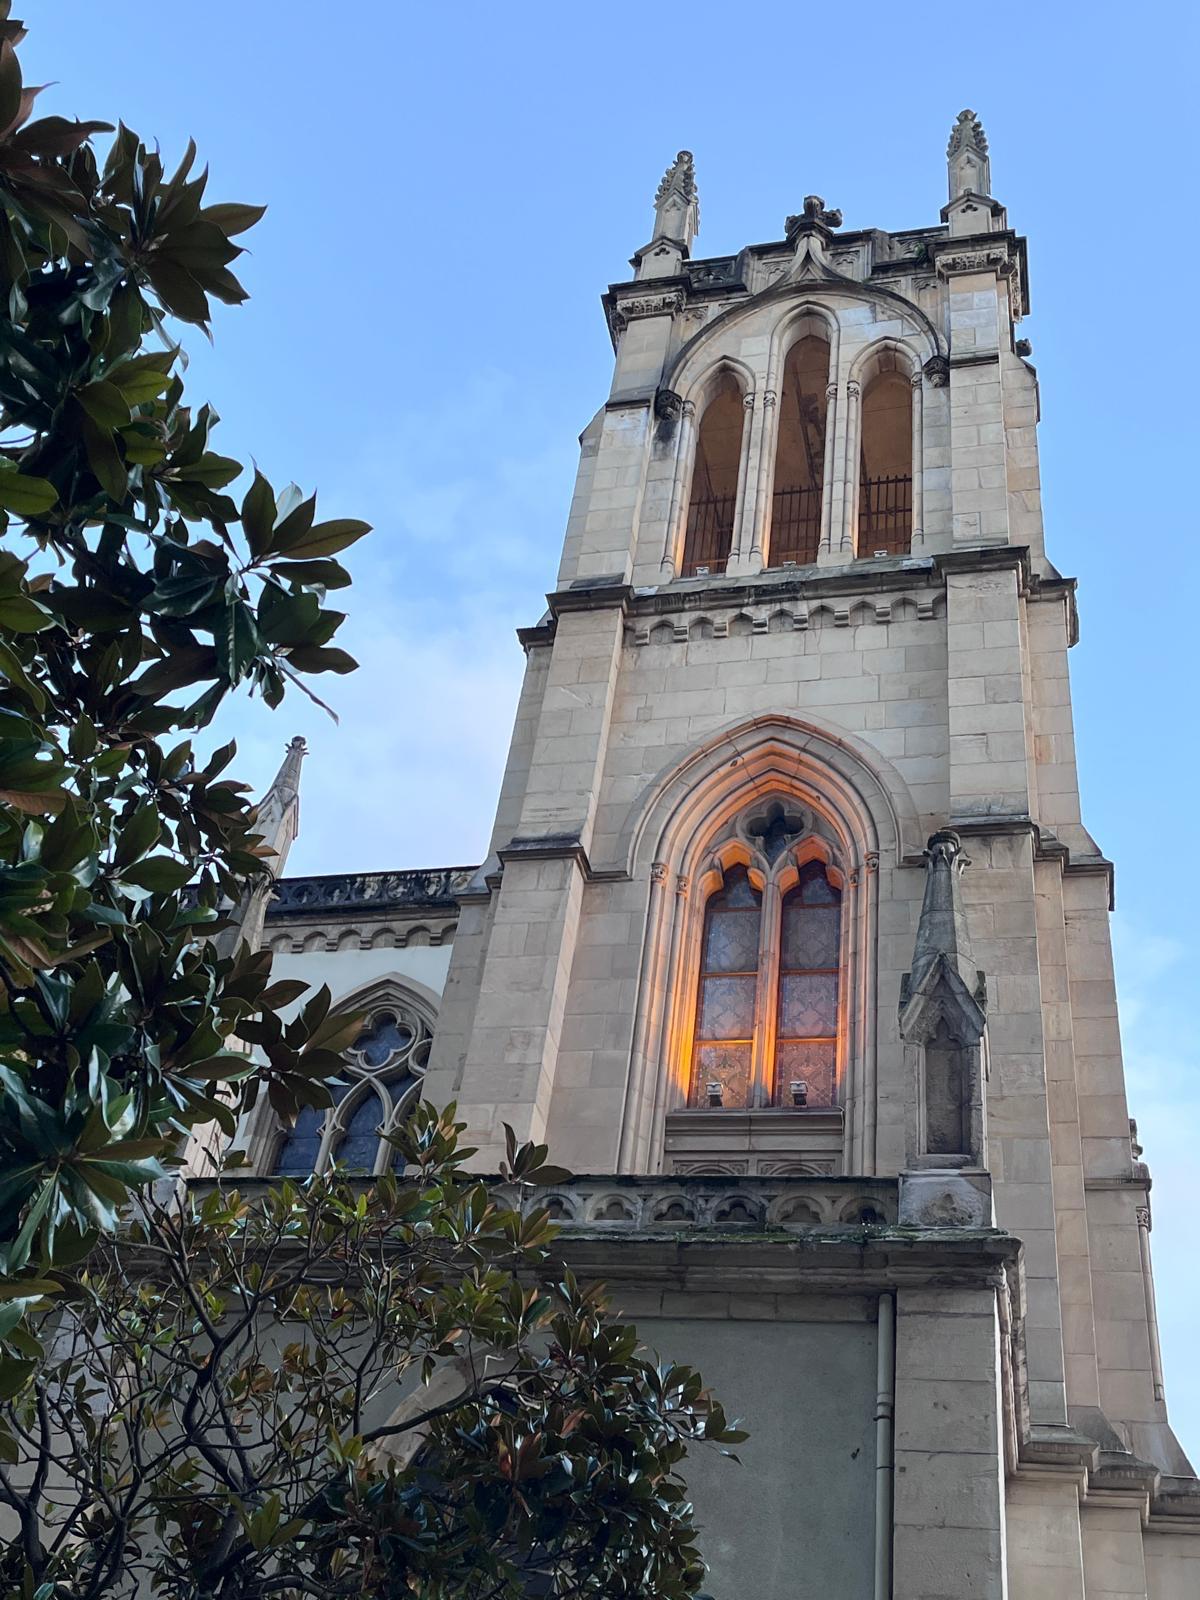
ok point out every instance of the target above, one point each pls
(324, 1392)
(221, 1394)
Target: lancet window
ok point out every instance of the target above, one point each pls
(885, 489)
(796, 501)
(768, 991)
(712, 502)
(382, 1074)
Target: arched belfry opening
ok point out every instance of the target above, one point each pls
(885, 487)
(796, 501)
(712, 501)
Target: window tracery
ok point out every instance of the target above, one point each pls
(384, 1069)
(769, 980)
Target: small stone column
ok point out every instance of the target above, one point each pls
(918, 458)
(851, 472)
(827, 465)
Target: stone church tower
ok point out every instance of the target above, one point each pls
(792, 942)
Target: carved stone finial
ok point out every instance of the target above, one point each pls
(277, 823)
(677, 203)
(287, 780)
(969, 169)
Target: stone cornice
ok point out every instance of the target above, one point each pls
(352, 894)
(863, 577)
(1046, 846)
(547, 847)
(590, 594)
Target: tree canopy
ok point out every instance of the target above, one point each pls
(135, 595)
(207, 1393)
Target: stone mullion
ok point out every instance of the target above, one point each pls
(918, 458)
(768, 439)
(684, 461)
(827, 466)
(738, 553)
(851, 466)
(766, 1000)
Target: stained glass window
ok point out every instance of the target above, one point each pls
(384, 1065)
(728, 984)
(802, 975)
(807, 1021)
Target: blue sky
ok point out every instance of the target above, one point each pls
(451, 188)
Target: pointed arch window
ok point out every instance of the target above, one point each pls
(885, 488)
(712, 501)
(796, 500)
(809, 973)
(383, 1071)
(768, 994)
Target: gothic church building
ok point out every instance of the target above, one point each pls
(791, 940)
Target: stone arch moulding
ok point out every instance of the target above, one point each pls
(869, 819)
(693, 355)
(260, 1134)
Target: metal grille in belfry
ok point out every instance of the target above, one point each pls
(885, 516)
(709, 536)
(795, 526)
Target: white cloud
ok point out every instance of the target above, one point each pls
(468, 500)
(411, 774)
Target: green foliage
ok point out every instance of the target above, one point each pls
(135, 594)
(333, 1391)
(198, 1391)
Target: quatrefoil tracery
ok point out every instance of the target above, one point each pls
(776, 828)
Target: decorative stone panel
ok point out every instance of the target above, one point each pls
(753, 1203)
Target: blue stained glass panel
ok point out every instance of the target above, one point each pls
(386, 1037)
(807, 1005)
(731, 942)
(737, 893)
(727, 1008)
(811, 935)
(297, 1153)
(359, 1145)
(815, 888)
